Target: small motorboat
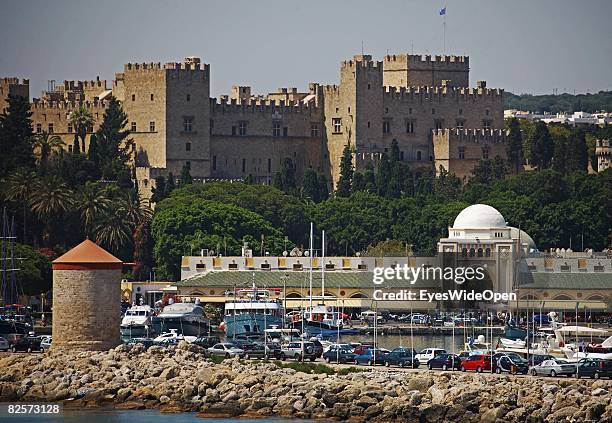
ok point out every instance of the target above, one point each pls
(512, 343)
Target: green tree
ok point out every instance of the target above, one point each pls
(383, 175)
(358, 182)
(541, 147)
(184, 224)
(515, 145)
(446, 185)
(113, 142)
(343, 187)
(369, 179)
(50, 200)
(577, 151)
(323, 188)
(114, 231)
(93, 154)
(387, 248)
(277, 181)
(310, 186)
(133, 209)
(143, 251)
(34, 275)
(46, 145)
(159, 190)
(16, 136)
(186, 176)
(352, 223)
(91, 204)
(19, 186)
(287, 176)
(170, 184)
(81, 121)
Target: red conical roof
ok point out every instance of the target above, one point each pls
(90, 255)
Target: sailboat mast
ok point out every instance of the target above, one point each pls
(323, 266)
(310, 273)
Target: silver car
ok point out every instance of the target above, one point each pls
(225, 349)
(553, 368)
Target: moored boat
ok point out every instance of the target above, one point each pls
(251, 311)
(136, 322)
(187, 319)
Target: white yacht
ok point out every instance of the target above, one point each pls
(186, 318)
(136, 322)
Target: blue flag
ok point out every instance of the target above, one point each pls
(443, 11)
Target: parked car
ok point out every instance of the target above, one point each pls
(299, 350)
(207, 341)
(371, 357)
(445, 361)
(428, 353)
(226, 349)
(318, 347)
(12, 338)
(511, 363)
(259, 350)
(464, 355)
(553, 368)
(339, 354)
(27, 343)
(360, 349)
(4, 345)
(402, 357)
(536, 359)
(594, 368)
(146, 342)
(478, 363)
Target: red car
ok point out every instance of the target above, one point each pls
(478, 362)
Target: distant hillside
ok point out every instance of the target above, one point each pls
(560, 103)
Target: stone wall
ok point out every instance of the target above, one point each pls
(13, 86)
(459, 151)
(54, 117)
(86, 313)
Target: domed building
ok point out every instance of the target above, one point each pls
(480, 236)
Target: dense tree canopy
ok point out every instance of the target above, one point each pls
(185, 224)
(559, 103)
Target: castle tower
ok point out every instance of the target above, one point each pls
(12, 86)
(603, 151)
(168, 107)
(406, 70)
(353, 111)
(86, 293)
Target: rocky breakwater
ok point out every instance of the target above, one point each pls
(182, 379)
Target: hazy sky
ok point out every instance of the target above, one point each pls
(520, 45)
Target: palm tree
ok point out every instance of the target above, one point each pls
(134, 209)
(91, 203)
(46, 145)
(81, 121)
(113, 232)
(18, 189)
(51, 198)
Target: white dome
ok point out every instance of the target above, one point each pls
(479, 216)
(525, 238)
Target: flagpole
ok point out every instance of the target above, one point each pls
(444, 32)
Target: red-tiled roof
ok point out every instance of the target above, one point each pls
(87, 252)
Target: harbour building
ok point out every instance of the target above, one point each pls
(479, 237)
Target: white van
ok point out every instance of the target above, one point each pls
(428, 353)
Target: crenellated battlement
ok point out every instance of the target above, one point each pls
(432, 92)
(260, 105)
(13, 81)
(38, 104)
(362, 62)
(470, 135)
(331, 89)
(175, 66)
